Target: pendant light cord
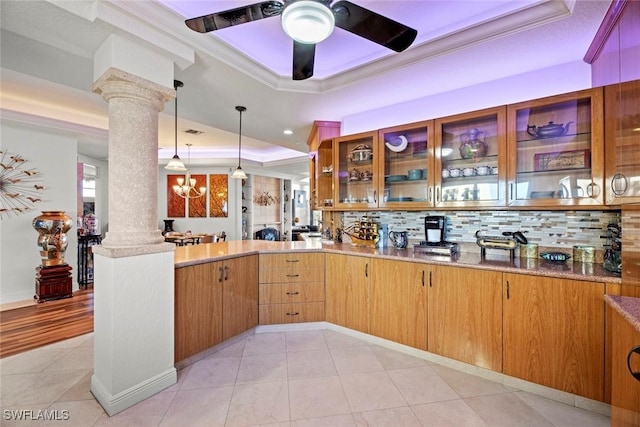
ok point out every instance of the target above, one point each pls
(240, 109)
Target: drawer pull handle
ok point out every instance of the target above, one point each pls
(293, 275)
(636, 350)
(293, 293)
(293, 260)
(293, 314)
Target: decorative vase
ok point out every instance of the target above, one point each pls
(473, 144)
(168, 226)
(52, 227)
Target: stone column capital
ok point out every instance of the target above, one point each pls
(115, 83)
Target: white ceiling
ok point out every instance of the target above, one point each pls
(48, 46)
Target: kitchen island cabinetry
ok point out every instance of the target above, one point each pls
(347, 280)
(465, 315)
(399, 302)
(239, 295)
(554, 333)
(291, 288)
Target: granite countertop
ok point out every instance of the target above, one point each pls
(198, 254)
(628, 307)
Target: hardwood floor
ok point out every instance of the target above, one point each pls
(26, 328)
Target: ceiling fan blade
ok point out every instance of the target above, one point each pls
(372, 26)
(303, 59)
(240, 15)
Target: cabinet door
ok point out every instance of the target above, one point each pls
(240, 295)
(347, 291)
(465, 315)
(470, 153)
(405, 166)
(321, 162)
(554, 333)
(399, 302)
(625, 389)
(556, 150)
(198, 308)
(622, 133)
(356, 171)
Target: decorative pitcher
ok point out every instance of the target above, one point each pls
(52, 227)
(473, 144)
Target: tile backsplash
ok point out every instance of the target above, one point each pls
(555, 229)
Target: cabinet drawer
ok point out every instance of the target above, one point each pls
(292, 260)
(271, 314)
(280, 293)
(289, 275)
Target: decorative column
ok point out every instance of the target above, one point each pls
(134, 104)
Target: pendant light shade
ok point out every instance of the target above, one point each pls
(175, 164)
(239, 173)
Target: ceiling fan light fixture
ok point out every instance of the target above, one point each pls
(307, 21)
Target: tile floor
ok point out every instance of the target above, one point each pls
(305, 378)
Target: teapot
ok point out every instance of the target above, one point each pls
(473, 144)
(400, 239)
(354, 175)
(548, 131)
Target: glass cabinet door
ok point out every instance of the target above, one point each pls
(356, 173)
(556, 150)
(470, 159)
(622, 133)
(324, 176)
(405, 176)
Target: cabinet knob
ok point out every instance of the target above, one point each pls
(636, 350)
(619, 184)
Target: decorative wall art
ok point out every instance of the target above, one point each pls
(265, 199)
(175, 203)
(198, 205)
(575, 159)
(20, 186)
(218, 196)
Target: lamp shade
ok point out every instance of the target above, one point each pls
(307, 21)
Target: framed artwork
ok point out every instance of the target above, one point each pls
(576, 159)
(218, 195)
(300, 198)
(198, 205)
(175, 204)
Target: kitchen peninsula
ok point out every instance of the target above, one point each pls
(485, 313)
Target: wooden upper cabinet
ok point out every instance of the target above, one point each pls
(347, 281)
(465, 315)
(622, 133)
(320, 158)
(554, 333)
(405, 166)
(399, 302)
(470, 159)
(355, 171)
(556, 151)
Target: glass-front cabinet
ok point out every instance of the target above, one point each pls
(406, 177)
(556, 150)
(356, 171)
(323, 197)
(470, 159)
(622, 133)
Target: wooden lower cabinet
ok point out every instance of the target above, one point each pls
(240, 295)
(625, 389)
(347, 291)
(465, 315)
(291, 288)
(554, 333)
(399, 302)
(198, 308)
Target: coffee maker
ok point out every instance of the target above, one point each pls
(435, 243)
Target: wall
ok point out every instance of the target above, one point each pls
(53, 154)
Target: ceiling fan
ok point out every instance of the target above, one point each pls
(309, 22)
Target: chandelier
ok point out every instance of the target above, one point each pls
(186, 187)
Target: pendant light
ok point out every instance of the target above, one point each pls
(239, 173)
(175, 164)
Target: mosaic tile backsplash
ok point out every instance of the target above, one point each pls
(560, 230)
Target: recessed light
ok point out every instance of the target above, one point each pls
(288, 132)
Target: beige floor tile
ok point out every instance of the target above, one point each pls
(181, 374)
(259, 403)
(345, 420)
(233, 350)
(265, 344)
(211, 373)
(79, 341)
(467, 385)
(394, 417)
(34, 361)
(309, 364)
(205, 407)
(391, 359)
(80, 413)
(43, 387)
(421, 385)
(452, 413)
(371, 391)
(351, 360)
(316, 397)
(563, 415)
(262, 368)
(77, 358)
(337, 340)
(506, 410)
(80, 391)
(305, 341)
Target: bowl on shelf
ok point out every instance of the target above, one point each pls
(414, 174)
